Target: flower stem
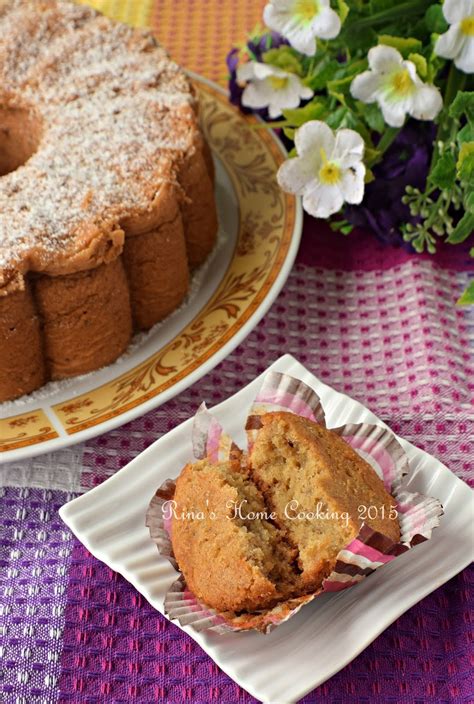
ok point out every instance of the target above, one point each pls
(387, 139)
(456, 82)
(447, 127)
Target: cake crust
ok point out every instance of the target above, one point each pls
(86, 319)
(21, 360)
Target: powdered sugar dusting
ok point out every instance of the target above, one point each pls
(117, 117)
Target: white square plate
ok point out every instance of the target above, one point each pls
(333, 629)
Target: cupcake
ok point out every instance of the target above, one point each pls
(247, 534)
(255, 535)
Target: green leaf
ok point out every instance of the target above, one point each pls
(322, 73)
(463, 104)
(343, 9)
(465, 164)
(462, 230)
(466, 134)
(444, 173)
(469, 202)
(388, 137)
(467, 297)
(340, 87)
(372, 156)
(466, 171)
(361, 39)
(344, 117)
(285, 58)
(289, 132)
(335, 119)
(435, 64)
(374, 118)
(420, 63)
(404, 46)
(369, 176)
(298, 116)
(380, 5)
(340, 97)
(434, 20)
(342, 226)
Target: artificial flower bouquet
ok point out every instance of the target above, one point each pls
(376, 100)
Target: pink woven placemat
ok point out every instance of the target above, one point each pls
(373, 322)
(382, 326)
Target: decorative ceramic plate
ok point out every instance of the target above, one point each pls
(330, 631)
(260, 229)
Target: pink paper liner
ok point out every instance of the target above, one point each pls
(210, 440)
(418, 515)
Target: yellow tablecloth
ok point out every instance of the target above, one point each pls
(197, 33)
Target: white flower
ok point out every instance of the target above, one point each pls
(301, 21)
(271, 87)
(395, 85)
(328, 170)
(458, 42)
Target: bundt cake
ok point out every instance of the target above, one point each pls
(106, 190)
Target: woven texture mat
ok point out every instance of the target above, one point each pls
(371, 321)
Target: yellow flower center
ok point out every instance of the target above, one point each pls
(329, 173)
(467, 26)
(278, 82)
(402, 82)
(306, 9)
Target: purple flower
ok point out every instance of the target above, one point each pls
(406, 162)
(256, 49)
(270, 40)
(235, 90)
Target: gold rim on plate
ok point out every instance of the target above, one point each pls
(268, 237)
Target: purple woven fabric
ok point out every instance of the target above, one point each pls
(119, 649)
(34, 573)
(371, 321)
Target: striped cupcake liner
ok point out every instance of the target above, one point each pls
(417, 515)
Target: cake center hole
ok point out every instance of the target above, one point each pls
(20, 134)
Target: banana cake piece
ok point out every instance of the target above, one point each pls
(252, 532)
(320, 489)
